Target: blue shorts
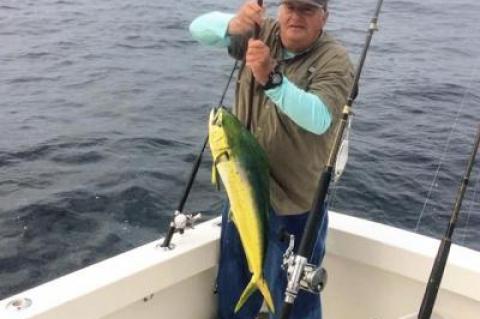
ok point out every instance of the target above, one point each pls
(233, 274)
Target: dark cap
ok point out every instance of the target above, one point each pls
(317, 3)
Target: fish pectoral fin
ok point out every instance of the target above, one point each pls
(230, 216)
(224, 156)
(215, 177)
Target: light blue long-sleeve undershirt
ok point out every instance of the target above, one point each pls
(306, 109)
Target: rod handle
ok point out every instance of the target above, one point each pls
(286, 310)
(257, 27)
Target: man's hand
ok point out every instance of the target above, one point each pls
(258, 59)
(258, 54)
(249, 15)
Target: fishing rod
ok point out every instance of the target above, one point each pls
(180, 220)
(252, 82)
(440, 262)
(300, 274)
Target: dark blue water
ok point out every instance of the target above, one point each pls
(104, 106)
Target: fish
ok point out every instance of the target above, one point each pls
(242, 166)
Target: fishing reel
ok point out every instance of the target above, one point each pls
(181, 221)
(301, 274)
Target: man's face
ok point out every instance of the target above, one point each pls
(300, 24)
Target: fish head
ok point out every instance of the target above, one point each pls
(217, 134)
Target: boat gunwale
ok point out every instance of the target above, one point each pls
(381, 246)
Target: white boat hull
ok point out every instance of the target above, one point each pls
(375, 271)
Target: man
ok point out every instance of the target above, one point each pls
(302, 77)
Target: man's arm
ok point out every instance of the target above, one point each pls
(331, 83)
(333, 80)
(221, 29)
(211, 28)
(306, 109)
(228, 30)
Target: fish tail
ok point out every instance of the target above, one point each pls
(267, 296)
(250, 289)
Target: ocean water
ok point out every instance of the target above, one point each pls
(104, 105)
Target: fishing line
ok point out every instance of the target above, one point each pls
(334, 194)
(446, 148)
(469, 211)
(341, 162)
(440, 261)
(235, 66)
